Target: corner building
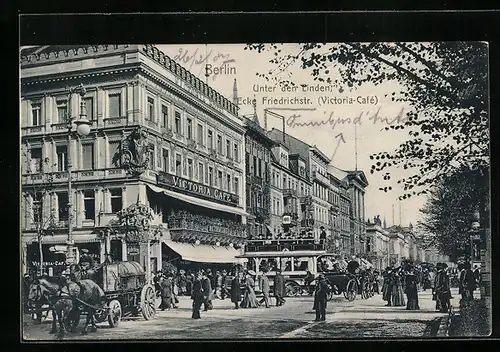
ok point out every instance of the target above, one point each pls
(159, 136)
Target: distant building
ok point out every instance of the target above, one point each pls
(377, 243)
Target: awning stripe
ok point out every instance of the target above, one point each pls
(200, 202)
(282, 254)
(204, 253)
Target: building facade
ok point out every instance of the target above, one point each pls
(258, 186)
(290, 184)
(159, 137)
(377, 244)
(320, 191)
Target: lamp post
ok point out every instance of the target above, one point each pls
(82, 129)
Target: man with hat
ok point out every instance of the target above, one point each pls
(279, 287)
(207, 292)
(86, 260)
(442, 288)
(236, 289)
(321, 298)
(197, 296)
(264, 287)
(223, 291)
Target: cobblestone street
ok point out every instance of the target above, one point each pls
(358, 319)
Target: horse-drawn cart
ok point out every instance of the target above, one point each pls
(126, 292)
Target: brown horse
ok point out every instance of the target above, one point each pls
(60, 293)
(66, 297)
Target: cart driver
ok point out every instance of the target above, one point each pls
(86, 261)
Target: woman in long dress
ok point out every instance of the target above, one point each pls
(398, 298)
(411, 289)
(249, 298)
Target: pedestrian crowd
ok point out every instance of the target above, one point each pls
(409, 279)
(203, 286)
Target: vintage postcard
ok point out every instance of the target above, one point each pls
(255, 191)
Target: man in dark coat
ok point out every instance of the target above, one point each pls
(279, 288)
(264, 287)
(320, 298)
(197, 296)
(86, 260)
(442, 289)
(166, 293)
(223, 291)
(477, 274)
(468, 283)
(236, 290)
(207, 293)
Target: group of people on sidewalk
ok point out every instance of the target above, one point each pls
(399, 281)
(241, 290)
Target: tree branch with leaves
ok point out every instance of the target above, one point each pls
(443, 85)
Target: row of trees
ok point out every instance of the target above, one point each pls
(444, 87)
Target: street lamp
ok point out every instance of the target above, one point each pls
(82, 129)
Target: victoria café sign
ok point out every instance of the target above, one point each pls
(188, 187)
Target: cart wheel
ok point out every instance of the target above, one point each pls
(115, 313)
(148, 302)
(291, 289)
(351, 289)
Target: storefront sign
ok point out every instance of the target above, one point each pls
(196, 189)
(56, 263)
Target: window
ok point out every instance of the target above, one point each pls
(62, 111)
(228, 177)
(36, 164)
(151, 164)
(88, 156)
(116, 200)
(89, 204)
(189, 124)
(62, 204)
(200, 134)
(166, 160)
(210, 139)
(190, 168)
(260, 168)
(178, 122)
(164, 116)
(151, 110)
(219, 180)
(114, 153)
(201, 172)
(62, 158)
(235, 153)
(228, 149)
(219, 144)
(36, 118)
(178, 164)
(89, 108)
(115, 105)
(210, 176)
(255, 166)
(37, 207)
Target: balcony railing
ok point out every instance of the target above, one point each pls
(289, 192)
(33, 130)
(115, 121)
(200, 223)
(323, 179)
(255, 180)
(62, 176)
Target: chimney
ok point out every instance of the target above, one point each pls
(235, 93)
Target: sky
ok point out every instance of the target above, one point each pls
(363, 104)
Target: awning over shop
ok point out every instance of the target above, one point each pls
(61, 239)
(200, 202)
(205, 253)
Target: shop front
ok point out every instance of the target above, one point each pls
(194, 257)
(54, 251)
(202, 233)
